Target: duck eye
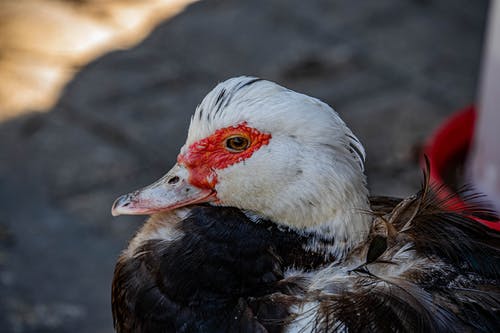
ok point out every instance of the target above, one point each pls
(237, 143)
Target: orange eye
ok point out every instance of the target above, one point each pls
(237, 143)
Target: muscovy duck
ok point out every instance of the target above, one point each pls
(265, 224)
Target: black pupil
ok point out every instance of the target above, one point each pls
(237, 143)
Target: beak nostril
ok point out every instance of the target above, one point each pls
(173, 180)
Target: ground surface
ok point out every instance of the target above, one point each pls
(394, 69)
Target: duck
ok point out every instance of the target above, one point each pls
(266, 224)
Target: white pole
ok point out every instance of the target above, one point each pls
(484, 162)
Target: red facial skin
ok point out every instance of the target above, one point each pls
(205, 156)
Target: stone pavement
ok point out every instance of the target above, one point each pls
(394, 69)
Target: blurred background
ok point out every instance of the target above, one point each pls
(96, 95)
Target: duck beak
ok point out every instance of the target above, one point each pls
(168, 193)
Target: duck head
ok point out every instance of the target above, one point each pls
(275, 154)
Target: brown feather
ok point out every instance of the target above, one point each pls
(423, 268)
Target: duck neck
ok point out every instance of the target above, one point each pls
(327, 242)
(337, 236)
(341, 220)
(332, 223)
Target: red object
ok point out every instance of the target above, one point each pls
(211, 153)
(452, 139)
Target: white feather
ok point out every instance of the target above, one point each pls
(310, 175)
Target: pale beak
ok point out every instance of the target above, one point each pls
(168, 193)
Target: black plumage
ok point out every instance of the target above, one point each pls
(210, 279)
(423, 269)
(436, 271)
